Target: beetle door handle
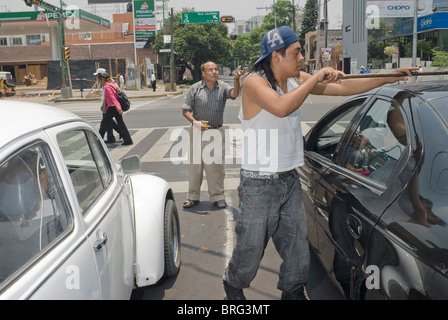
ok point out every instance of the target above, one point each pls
(100, 243)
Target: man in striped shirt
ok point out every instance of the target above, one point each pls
(204, 109)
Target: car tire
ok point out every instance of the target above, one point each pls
(171, 239)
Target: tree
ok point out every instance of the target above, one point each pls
(425, 48)
(389, 51)
(196, 44)
(283, 15)
(440, 59)
(310, 16)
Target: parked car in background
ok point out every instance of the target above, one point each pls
(73, 224)
(375, 184)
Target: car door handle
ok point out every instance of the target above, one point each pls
(354, 226)
(100, 243)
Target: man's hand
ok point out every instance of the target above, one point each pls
(329, 75)
(408, 71)
(238, 72)
(202, 124)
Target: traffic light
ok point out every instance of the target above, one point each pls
(66, 53)
(227, 19)
(30, 3)
(233, 36)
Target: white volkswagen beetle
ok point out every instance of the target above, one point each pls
(74, 225)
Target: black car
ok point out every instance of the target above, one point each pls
(375, 184)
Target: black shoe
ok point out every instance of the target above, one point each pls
(299, 294)
(233, 293)
(109, 141)
(127, 143)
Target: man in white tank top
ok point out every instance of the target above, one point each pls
(270, 193)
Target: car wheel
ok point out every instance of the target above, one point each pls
(171, 239)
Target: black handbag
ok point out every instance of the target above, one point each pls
(124, 100)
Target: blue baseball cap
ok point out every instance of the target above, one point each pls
(276, 39)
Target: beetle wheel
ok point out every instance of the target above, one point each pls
(171, 239)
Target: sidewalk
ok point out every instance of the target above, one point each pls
(36, 94)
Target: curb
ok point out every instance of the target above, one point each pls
(129, 97)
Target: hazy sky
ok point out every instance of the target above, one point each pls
(240, 9)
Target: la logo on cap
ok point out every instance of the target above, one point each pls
(273, 37)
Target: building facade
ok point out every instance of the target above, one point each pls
(370, 26)
(29, 41)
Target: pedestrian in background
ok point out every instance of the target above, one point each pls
(204, 109)
(270, 192)
(419, 78)
(113, 124)
(153, 82)
(112, 107)
(121, 79)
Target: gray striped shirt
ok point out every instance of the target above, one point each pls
(208, 105)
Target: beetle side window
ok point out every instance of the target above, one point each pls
(377, 143)
(34, 210)
(87, 164)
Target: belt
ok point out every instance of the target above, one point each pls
(266, 175)
(216, 127)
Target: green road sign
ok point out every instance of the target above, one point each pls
(200, 17)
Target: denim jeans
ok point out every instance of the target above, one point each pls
(270, 208)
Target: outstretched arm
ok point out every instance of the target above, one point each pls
(355, 86)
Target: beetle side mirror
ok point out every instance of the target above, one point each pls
(131, 164)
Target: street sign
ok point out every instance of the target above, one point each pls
(144, 21)
(200, 17)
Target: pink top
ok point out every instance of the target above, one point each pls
(111, 96)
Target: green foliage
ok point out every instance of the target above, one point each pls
(283, 15)
(440, 59)
(389, 50)
(196, 44)
(310, 17)
(375, 48)
(424, 47)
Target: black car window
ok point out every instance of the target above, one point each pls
(34, 210)
(377, 143)
(441, 106)
(325, 140)
(87, 164)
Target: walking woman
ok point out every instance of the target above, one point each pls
(113, 107)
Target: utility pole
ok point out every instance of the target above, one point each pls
(65, 89)
(414, 35)
(326, 63)
(294, 17)
(275, 14)
(172, 73)
(318, 44)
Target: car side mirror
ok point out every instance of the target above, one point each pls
(131, 164)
